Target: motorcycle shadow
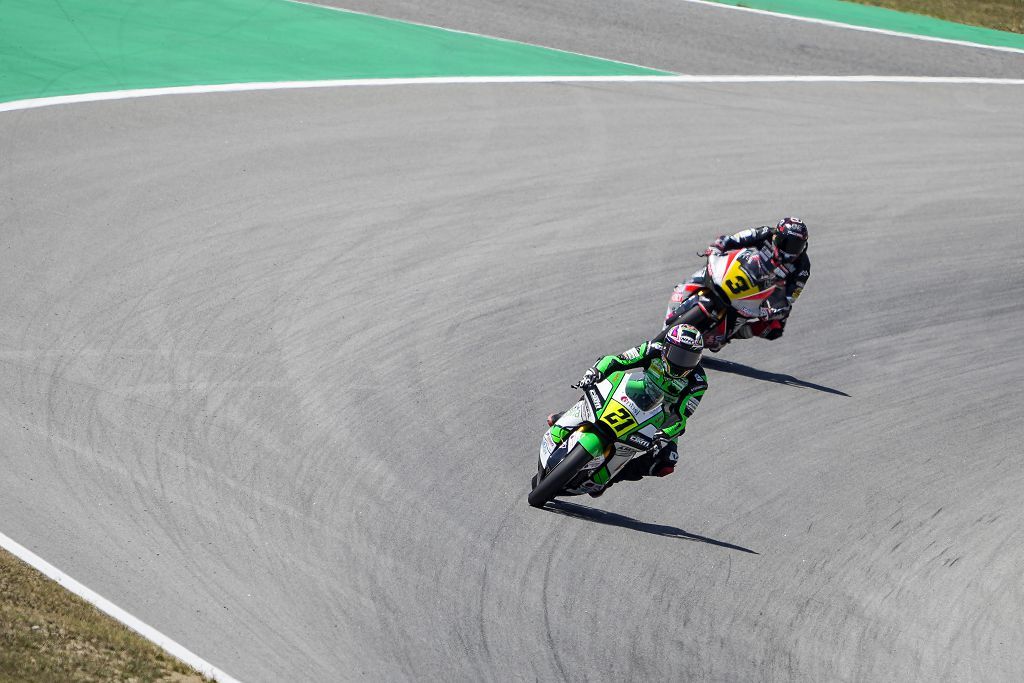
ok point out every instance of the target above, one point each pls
(747, 371)
(590, 514)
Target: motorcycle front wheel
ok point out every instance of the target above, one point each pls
(555, 481)
(693, 316)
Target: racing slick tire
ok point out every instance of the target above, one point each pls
(695, 316)
(549, 486)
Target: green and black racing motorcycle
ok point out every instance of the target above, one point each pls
(617, 421)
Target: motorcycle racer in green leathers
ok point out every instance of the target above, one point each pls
(672, 376)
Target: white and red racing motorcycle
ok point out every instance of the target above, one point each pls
(731, 292)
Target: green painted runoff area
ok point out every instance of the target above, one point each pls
(888, 19)
(65, 47)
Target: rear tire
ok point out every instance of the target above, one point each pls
(555, 481)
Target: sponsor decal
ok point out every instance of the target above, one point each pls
(631, 354)
(639, 441)
(595, 398)
(586, 412)
(692, 404)
(628, 402)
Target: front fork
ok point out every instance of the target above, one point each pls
(584, 434)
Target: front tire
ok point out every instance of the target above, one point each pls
(692, 316)
(555, 481)
(698, 318)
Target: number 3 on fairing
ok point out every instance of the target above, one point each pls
(737, 284)
(620, 420)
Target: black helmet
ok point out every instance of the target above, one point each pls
(789, 240)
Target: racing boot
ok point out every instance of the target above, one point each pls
(647, 465)
(598, 494)
(770, 329)
(634, 470)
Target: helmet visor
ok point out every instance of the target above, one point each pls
(680, 362)
(790, 246)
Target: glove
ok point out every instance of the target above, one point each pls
(660, 440)
(665, 458)
(591, 377)
(769, 313)
(717, 247)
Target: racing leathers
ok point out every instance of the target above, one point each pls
(679, 398)
(779, 304)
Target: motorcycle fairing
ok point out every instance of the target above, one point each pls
(609, 403)
(740, 275)
(621, 413)
(580, 413)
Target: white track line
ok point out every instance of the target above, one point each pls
(174, 648)
(470, 80)
(145, 630)
(307, 3)
(855, 27)
(706, 3)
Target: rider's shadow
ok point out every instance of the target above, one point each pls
(614, 519)
(747, 371)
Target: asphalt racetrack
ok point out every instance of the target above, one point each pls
(699, 37)
(276, 367)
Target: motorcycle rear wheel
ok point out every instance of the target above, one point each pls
(555, 481)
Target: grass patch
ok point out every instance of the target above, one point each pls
(49, 634)
(1004, 15)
